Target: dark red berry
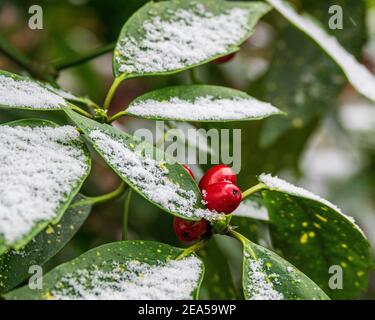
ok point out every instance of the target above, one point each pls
(189, 171)
(222, 197)
(219, 173)
(225, 59)
(188, 231)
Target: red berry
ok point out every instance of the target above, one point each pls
(225, 59)
(188, 231)
(219, 173)
(189, 171)
(222, 197)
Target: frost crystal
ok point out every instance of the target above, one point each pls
(149, 176)
(259, 287)
(203, 108)
(39, 169)
(25, 93)
(358, 75)
(189, 36)
(174, 280)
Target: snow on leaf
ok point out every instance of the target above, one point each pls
(358, 75)
(22, 92)
(133, 280)
(200, 103)
(42, 168)
(149, 176)
(172, 35)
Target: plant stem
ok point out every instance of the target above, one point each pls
(37, 70)
(112, 90)
(117, 116)
(103, 198)
(194, 248)
(252, 190)
(80, 111)
(194, 76)
(244, 241)
(126, 215)
(68, 63)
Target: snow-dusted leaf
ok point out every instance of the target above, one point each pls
(42, 168)
(358, 75)
(18, 92)
(149, 171)
(14, 265)
(170, 36)
(315, 235)
(127, 270)
(200, 103)
(267, 276)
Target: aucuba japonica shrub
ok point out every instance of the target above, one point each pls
(44, 164)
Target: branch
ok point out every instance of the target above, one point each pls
(37, 70)
(68, 63)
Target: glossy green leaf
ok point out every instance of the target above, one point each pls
(218, 285)
(267, 276)
(43, 168)
(149, 171)
(14, 265)
(201, 103)
(316, 236)
(314, 81)
(357, 74)
(124, 270)
(170, 36)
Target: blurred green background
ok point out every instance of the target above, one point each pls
(327, 143)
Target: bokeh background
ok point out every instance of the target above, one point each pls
(326, 144)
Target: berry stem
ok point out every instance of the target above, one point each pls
(126, 215)
(252, 190)
(244, 241)
(103, 198)
(194, 248)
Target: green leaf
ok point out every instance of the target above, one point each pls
(218, 285)
(357, 74)
(124, 270)
(201, 103)
(43, 166)
(267, 276)
(18, 92)
(170, 36)
(149, 171)
(314, 80)
(315, 235)
(14, 265)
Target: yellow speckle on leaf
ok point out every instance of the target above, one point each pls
(360, 273)
(50, 230)
(268, 264)
(304, 238)
(344, 245)
(311, 234)
(48, 296)
(321, 217)
(343, 264)
(316, 225)
(305, 224)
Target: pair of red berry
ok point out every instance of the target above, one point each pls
(220, 194)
